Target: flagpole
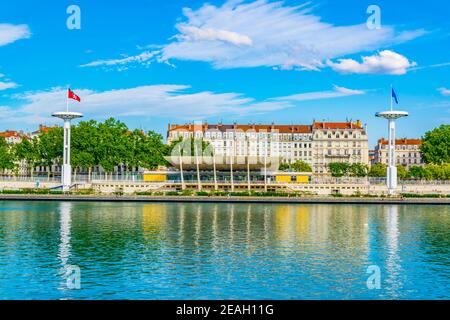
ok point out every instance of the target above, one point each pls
(391, 95)
(67, 100)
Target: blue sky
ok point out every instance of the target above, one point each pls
(151, 62)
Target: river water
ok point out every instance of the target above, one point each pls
(105, 250)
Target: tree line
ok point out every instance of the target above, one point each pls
(106, 144)
(379, 170)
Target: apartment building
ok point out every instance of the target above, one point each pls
(12, 137)
(407, 152)
(317, 144)
(288, 142)
(339, 142)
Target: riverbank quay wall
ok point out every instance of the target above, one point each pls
(319, 189)
(308, 189)
(203, 199)
(17, 185)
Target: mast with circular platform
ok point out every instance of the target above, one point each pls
(66, 172)
(391, 116)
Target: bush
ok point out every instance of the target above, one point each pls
(413, 195)
(31, 191)
(144, 193)
(202, 193)
(85, 191)
(187, 192)
(218, 193)
(337, 195)
(172, 193)
(270, 194)
(240, 194)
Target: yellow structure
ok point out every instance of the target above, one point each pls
(292, 177)
(302, 179)
(155, 177)
(286, 179)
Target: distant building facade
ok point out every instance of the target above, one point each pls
(407, 152)
(318, 144)
(13, 137)
(339, 142)
(290, 142)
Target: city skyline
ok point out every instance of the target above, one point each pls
(163, 64)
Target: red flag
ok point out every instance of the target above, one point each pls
(73, 96)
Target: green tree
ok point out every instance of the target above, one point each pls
(85, 145)
(435, 172)
(297, 166)
(6, 157)
(112, 147)
(417, 172)
(50, 148)
(378, 170)
(436, 145)
(358, 170)
(146, 150)
(188, 147)
(27, 151)
(301, 166)
(402, 173)
(338, 169)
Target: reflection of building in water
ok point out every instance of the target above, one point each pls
(393, 266)
(291, 222)
(341, 227)
(153, 218)
(302, 221)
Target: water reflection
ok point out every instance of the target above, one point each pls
(231, 251)
(64, 231)
(393, 266)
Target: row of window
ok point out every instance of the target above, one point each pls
(402, 147)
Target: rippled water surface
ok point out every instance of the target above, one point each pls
(223, 251)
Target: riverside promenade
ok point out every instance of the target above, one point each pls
(220, 199)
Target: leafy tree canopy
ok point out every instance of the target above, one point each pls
(436, 145)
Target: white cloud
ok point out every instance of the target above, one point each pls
(282, 36)
(191, 33)
(337, 92)
(143, 58)
(7, 85)
(384, 62)
(175, 101)
(143, 101)
(444, 91)
(10, 33)
(261, 33)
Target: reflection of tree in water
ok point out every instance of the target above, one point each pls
(36, 224)
(435, 234)
(106, 233)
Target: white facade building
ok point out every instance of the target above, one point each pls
(339, 142)
(407, 152)
(317, 144)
